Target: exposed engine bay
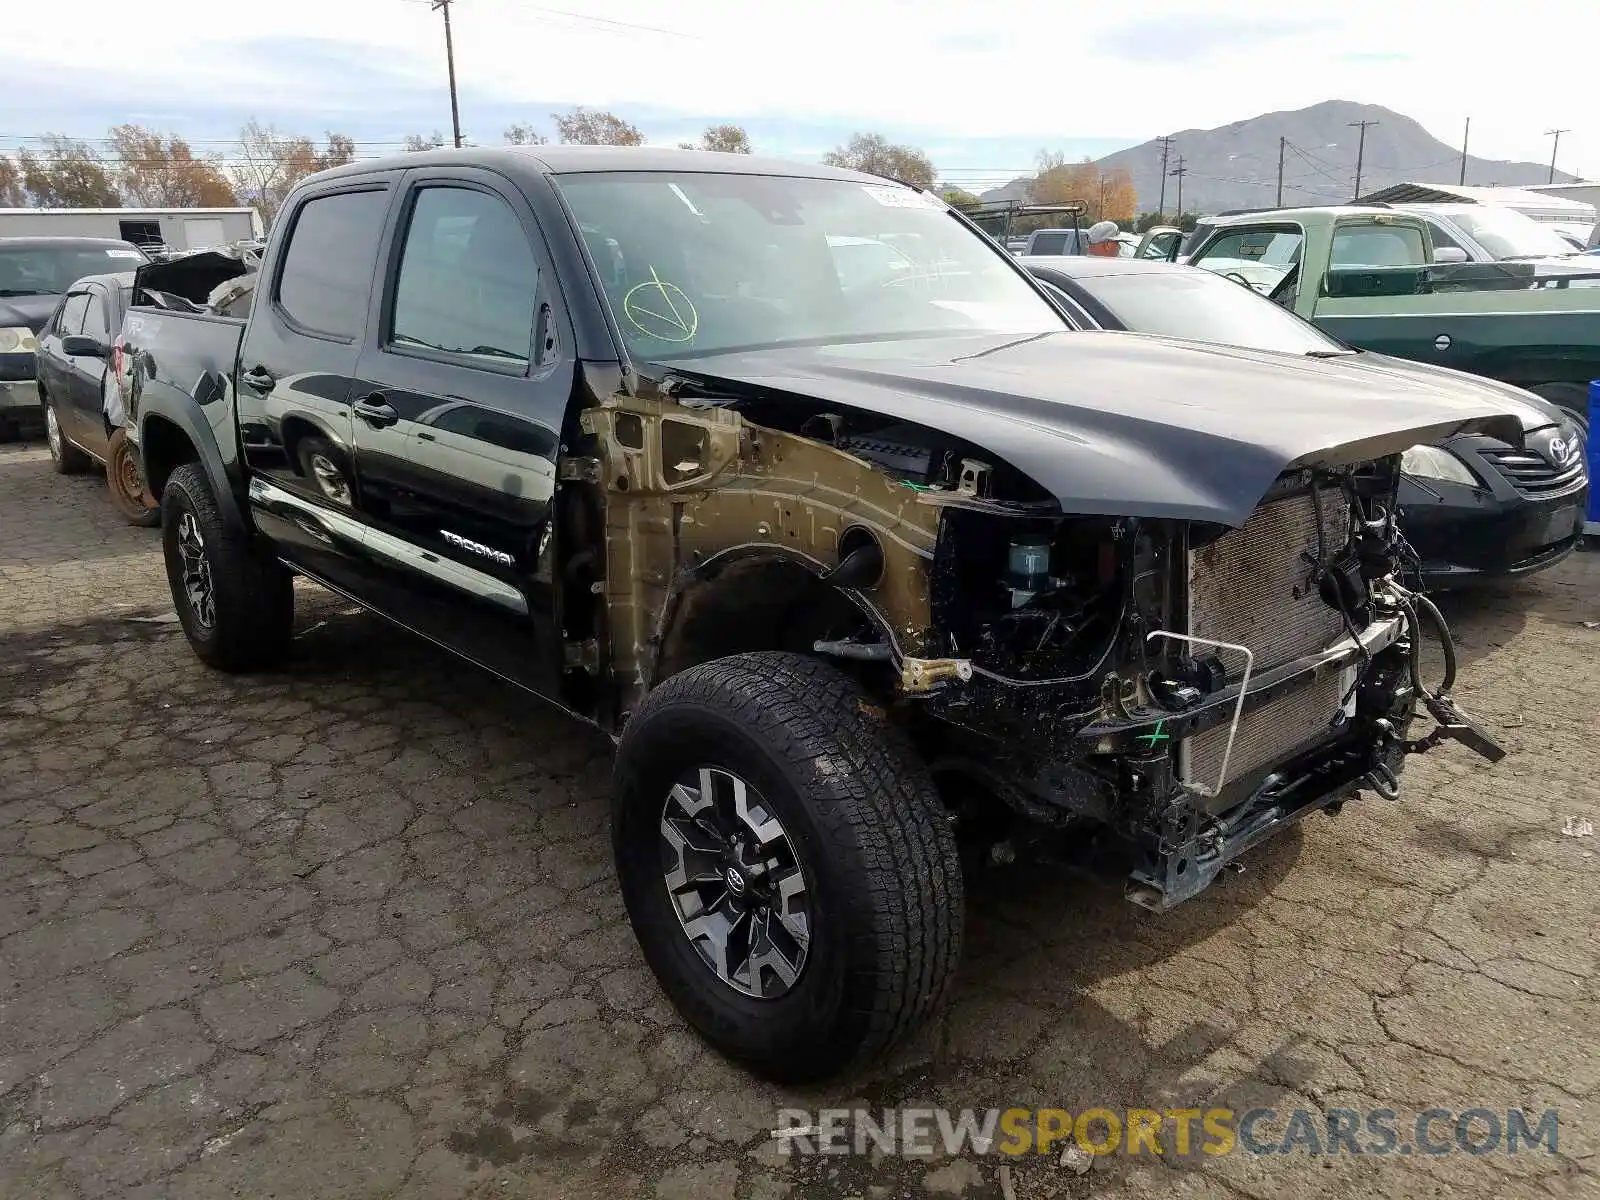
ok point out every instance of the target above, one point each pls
(1191, 686)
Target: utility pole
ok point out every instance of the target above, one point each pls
(1465, 134)
(1361, 149)
(1555, 133)
(1180, 171)
(1282, 142)
(450, 58)
(1103, 182)
(1166, 146)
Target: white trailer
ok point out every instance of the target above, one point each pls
(175, 228)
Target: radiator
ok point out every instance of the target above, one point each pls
(1242, 589)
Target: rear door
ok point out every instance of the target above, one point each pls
(465, 378)
(296, 369)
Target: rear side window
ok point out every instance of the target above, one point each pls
(1377, 246)
(468, 280)
(97, 324)
(322, 285)
(72, 314)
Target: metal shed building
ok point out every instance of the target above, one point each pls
(177, 228)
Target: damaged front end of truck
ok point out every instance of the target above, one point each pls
(1191, 685)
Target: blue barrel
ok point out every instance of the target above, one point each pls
(1592, 525)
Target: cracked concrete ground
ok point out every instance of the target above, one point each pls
(349, 929)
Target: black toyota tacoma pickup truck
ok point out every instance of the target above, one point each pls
(857, 566)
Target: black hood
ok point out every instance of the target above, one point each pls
(1124, 424)
(1534, 412)
(32, 311)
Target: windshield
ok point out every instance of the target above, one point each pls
(695, 263)
(1507, 233)
(51, 270)
(1205, 308)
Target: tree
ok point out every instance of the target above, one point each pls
(162, 172)
(595, 127)
(271, 163)
(729, 139)
(958, 197)
(67, 174)
(11, 193)
(1119, 199)
(524, 135)
(416, 142)
(875, 154)
(1105, 195)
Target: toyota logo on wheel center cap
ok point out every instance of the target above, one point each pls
(735, 881)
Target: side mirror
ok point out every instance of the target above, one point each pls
(76, 345)
(1449, 254)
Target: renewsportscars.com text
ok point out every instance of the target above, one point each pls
(1180, 1131)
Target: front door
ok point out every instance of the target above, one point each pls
(296, 369)
(89, 375)
(56, 368)
(457, 419)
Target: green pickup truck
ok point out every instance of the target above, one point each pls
(1367, 276)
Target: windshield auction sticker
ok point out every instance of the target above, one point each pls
(895, 197)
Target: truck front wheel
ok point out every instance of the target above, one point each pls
(786, 863)
(236, 605)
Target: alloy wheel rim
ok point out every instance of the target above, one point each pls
(197, 587)
(735, 883)
(330, 479)
(52, 431)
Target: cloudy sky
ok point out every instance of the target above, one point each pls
(981, 87)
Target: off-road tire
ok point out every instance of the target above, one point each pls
(1572, 397)
(125, 482)
(66, 458)
(867, 827)
(252, 594)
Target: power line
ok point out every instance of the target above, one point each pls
(600, 23)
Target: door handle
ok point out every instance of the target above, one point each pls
(259, 379)
(376, 411)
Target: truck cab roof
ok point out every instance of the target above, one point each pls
(569, 160)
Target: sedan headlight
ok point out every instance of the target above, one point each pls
(18, 339)
(1430, 462)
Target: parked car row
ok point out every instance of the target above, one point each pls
(62, 365)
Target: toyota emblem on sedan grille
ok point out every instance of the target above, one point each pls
(1563, 450)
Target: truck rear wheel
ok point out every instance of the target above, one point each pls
(236, 605)
(786, 863)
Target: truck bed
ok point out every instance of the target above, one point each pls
(182, 358)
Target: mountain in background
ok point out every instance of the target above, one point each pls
(1236, 166)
